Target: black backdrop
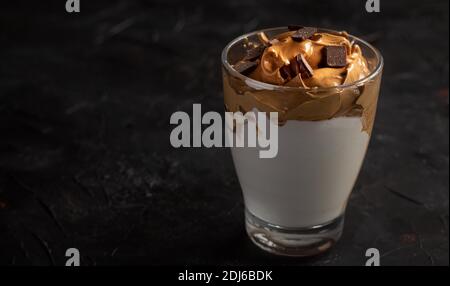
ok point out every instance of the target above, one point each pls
(85, 159)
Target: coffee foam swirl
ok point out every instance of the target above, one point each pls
(318, 97)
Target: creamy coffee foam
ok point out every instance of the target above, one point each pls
(317, 95)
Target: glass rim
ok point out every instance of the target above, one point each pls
(378, 68)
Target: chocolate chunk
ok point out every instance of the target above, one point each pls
(285, 72)
(305, 69)
(299, 65)
(335, 56)
(303, 34)
(254, 53)
(294, 27)
(245, 67)
(295, 69)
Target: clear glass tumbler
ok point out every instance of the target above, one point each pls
(295, 203)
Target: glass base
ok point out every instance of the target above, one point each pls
(280, 240)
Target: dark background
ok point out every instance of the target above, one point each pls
(85, 157)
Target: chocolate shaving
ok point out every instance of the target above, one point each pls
(245, 67)
(254, 53)
(335, 56)
(303, 34)
(305, 69)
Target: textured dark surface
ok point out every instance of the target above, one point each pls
(85, 158)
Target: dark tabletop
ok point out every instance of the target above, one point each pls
(85, 157)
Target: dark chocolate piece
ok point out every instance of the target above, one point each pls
(295, 69)
(335, 56)
(285, 72)
(303, 34)
(254, 53)
(245, 67)
(305, 69)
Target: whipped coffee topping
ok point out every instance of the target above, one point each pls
(318, 64)
(283, 51)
